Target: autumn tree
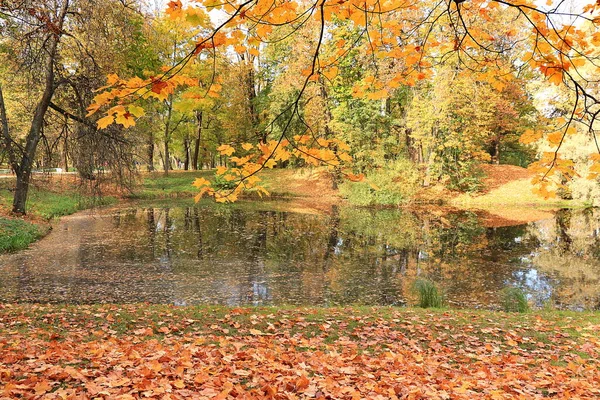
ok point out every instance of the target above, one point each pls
(37, 41)
(55, 55)
(413, 37)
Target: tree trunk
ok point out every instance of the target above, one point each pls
(66, 150)
(151, 153)
(199, 116)
(186, 149)
(33, 137)
(21, 190)
(496, 157)
(252, 111)
(167, 160)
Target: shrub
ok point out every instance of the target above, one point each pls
(395, 183)
(428, 293)
(514, 300)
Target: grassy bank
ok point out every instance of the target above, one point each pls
(130, 351)
(16, 234)
(43, 204)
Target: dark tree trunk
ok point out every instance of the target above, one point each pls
(186, 149)
(199, 116)
(66, 150)
(22, 189)
(151, 153)
(167, 159)
(167, 137)
(33, 137)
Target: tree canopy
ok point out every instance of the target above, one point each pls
(397, 44)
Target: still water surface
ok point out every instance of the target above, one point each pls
(237, 255)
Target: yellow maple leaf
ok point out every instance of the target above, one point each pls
(125, 119)
(200, 182)
(106, 121)
(225, 150)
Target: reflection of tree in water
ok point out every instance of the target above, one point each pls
(563, 224)
(567, 257)
(235, 255)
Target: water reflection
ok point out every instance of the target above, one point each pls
(237, 255)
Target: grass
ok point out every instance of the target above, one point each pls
(42, 203)
(157, 185)
(428, 294)
(16, 234)
(514, 300)
(327, 323)
(46, 204)
(518, 193)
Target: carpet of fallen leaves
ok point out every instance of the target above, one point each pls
(143, 351)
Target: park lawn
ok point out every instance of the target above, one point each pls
(130, 351)
(157, 185)
(279, 182)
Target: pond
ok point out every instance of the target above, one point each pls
(183, 254)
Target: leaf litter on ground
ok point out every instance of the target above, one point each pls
(204, 352)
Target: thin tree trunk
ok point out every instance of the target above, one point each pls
(8, 142)
(66, 149)
(199, 117)
(151, 153)
(186, 149)
(167, 160)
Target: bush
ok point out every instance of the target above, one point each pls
(428, 293)
(514, 300)
(465, 176)
(394, 184)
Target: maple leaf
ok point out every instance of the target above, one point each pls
(136, 111)
(225, 150)
(105, 121)
(125, 119)
(158, 86)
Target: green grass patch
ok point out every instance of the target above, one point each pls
(16, 234)
(157, 185)
(514, 300)
(47, 204)
(428, 293)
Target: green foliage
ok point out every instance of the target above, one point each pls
(393, 184)
(16, 234)
(514, 300)
(464, 176)
(428, 293)
(221, 183)
(515, 153)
